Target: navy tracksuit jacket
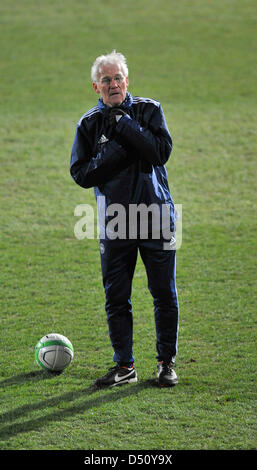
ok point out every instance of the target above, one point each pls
(125, 165)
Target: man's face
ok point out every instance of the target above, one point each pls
(111, 85)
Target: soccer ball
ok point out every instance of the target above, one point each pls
(54, 352)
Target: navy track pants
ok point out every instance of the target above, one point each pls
(118, 262)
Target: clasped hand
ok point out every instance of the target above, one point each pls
(114, 115)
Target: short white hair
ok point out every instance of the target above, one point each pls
(111, 58)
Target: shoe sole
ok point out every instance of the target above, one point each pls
(123, 382)
(168, 384)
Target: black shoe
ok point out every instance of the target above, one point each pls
(117, 375)
(166, 375)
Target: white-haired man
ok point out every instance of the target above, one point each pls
(120, 148)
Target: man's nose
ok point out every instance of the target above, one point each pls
(113, 83)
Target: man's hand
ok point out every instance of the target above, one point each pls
(115, 115)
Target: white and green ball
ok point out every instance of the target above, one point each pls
(54, 352)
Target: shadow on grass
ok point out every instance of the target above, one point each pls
(24, 378)
(91, 401)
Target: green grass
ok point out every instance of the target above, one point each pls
(198, 59)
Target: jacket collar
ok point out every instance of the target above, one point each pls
(127, 103)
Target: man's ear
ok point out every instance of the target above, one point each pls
(95, 86)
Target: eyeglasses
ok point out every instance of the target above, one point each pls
(107, 80)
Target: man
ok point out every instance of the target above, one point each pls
(120, 148)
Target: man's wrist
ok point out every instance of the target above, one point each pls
(115, 114)
(118, 117)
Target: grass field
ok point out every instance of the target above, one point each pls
(199, 59)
